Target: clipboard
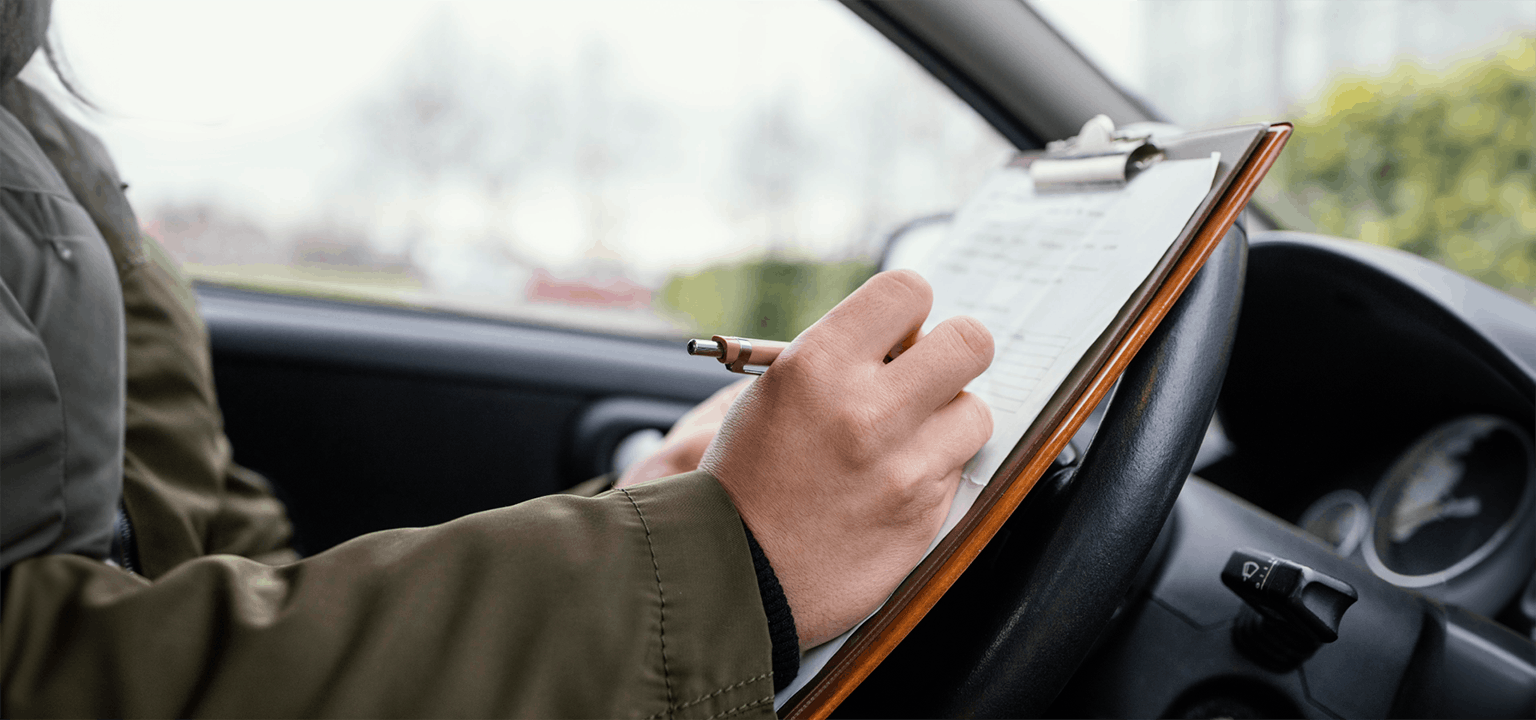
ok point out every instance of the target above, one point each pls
(1247, 154)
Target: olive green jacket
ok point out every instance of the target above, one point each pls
(640, 602)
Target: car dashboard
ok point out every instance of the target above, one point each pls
(1375, 425)
(1367, 405)
(1450, 515)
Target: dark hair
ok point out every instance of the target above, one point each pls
(60, 66)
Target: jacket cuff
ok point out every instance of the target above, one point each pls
(714, 639)
(781, 622)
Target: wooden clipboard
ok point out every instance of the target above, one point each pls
(1252, 151)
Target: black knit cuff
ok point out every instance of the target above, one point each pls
(781, 623)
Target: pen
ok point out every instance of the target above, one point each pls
(751, 357)
(738, 354)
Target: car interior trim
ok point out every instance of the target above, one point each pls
(1012, 56)
(255, 325)
(972, 94)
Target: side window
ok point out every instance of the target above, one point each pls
(655, 168)
(1415, 121)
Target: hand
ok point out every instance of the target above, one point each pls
(843, 465)
(684, 444)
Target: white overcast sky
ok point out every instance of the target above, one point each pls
(198, 93)
(244, 101)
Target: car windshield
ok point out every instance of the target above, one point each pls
(675, 167)
(1414, 119)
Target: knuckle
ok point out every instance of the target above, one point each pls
(975, 341)
(920, 495)
(812, 355)
(855, 428)
(806, 365)
(795, 362)
(903, 492)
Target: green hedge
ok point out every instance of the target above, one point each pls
(1436, 163)
(771, 298)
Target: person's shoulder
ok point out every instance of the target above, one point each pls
(25, 167)
(53, 130)
(81, 168)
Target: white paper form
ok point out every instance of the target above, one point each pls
(1046, 273)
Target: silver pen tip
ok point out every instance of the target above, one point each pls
(707, 348)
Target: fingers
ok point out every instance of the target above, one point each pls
(865, 326)
(905, 344)
(679, 455)
(956, 431)
(711, 412)
(938, 367)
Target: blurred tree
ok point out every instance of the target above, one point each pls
(908, 149)
(771, 298)
(776, 158)
(439, 113)
(1436, 163)
(458, 134)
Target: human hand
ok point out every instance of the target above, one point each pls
(843, 465)
(684, 444)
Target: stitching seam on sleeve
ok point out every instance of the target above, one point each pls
(716, 693)
(742, 708)
(661, 596)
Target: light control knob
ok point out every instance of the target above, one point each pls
(1290, 611)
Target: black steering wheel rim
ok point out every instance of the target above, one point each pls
(1010, 634)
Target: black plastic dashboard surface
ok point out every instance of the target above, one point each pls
(1346, 354)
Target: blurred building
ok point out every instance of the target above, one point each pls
(601, 280)
(598, 291)
(204, 234)
(329, 247)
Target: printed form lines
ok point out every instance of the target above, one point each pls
(1018, 371)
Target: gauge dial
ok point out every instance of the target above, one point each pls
(1340, 518)
(1450, 506)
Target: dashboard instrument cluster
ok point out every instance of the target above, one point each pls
(1453, 517)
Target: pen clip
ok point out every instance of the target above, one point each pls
(741, 357)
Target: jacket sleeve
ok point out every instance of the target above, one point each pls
(636, 603)
(633, 603)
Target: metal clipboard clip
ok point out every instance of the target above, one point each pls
(1099, 158)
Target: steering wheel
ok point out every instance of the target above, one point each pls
(1008, 636)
